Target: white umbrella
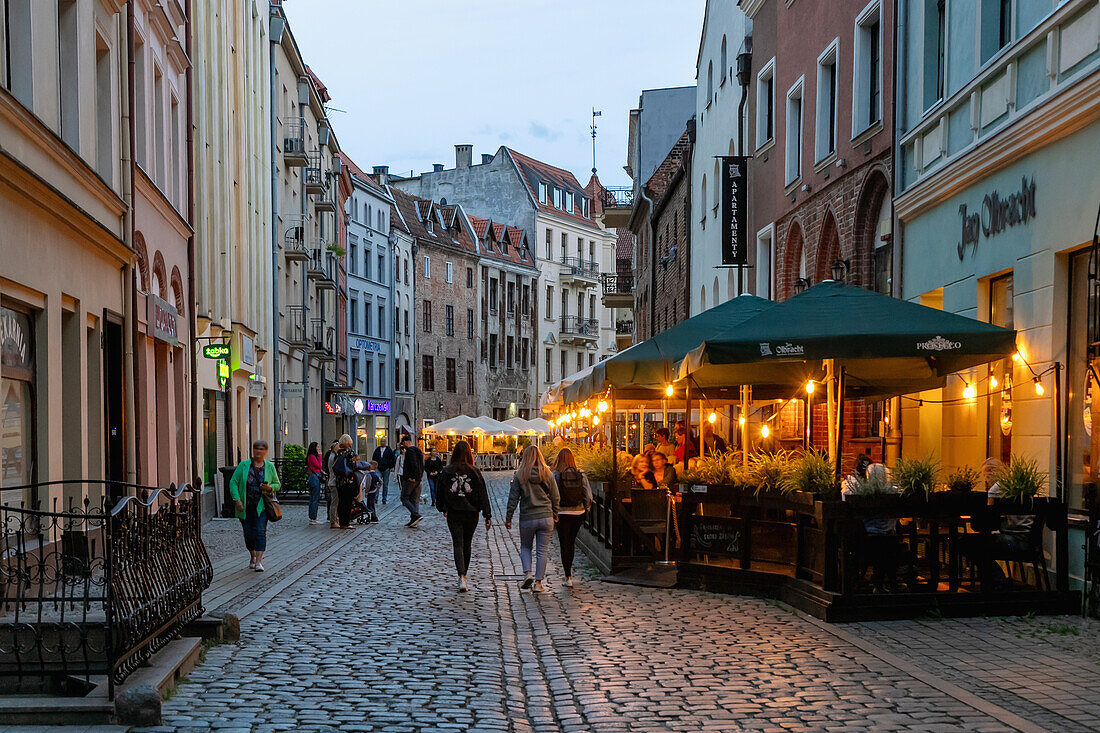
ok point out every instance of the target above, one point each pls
(521, 425)
(540, 425)
(493, 427)
(461, 425)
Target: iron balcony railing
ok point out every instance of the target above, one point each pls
(624, 328)
(323, 337)
(617, 284)
(294, 325)
(578, 326)
(615, 196)
(581, 267)
(316, 180)
(294, 239)
(96, 587)
(294, 141)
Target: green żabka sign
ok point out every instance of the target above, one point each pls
(216, 351)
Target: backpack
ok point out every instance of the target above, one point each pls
(571, 487)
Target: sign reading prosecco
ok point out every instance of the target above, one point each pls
(996, 214)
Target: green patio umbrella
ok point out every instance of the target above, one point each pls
(653, 363)
(885, 345)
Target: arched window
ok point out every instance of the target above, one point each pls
(703, 298)
(717, 183)
(714, 295)
(710, 82)
(703, 199)
(724, 62)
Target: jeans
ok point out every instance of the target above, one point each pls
(372, 501)
(330, 502)
(410, 496)
(345, 498)
(462, 526)
(386, 484)
(536, 533)
(314, 494)
(255, 530)
(431, 489)
(568, 527)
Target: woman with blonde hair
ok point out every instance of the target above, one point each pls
(576, 497)
(535, 492)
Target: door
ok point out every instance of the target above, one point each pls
(114, 404)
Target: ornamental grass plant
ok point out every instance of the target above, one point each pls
(811, 471)
(1021, 479)
(963, 478)
(916, 477)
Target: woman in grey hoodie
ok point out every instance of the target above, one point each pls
(536, 494)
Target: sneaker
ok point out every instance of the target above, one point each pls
(383, 502)
(251, 564)
(315, 521)
(409, 523)
(538, 587)
(259, 568)
(462, 587)
(569, 582)
(527, 581)
(416, 520)
(373, 519)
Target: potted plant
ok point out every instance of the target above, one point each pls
(1021, 480)
(767, 472)
(916, 477)
(962, 479)
(811, 472)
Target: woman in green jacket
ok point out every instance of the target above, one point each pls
(252, 479)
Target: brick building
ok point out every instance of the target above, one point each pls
(661, 222)
(820, 105)
(444, 271)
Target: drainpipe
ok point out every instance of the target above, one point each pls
(900, 102)
(652, 248)
(133, 439)
(192, 326)
(275, 394)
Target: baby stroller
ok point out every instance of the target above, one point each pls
(361, 513)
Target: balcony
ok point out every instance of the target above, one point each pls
(294, 142)
(294, 241)
(328, 268)
(577, 329)
(322, 339)
(316, 178)
(315, 267)
(624, 334)
(617, 203)
(325, 204)
(618, 290)
(580, 269)
(294, 326)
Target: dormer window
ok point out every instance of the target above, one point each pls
(542, 192)
(569, 202)
(558, 198)
(430, 226)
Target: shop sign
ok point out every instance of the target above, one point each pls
(294, 390)
(939, 343)
(223, 373)
(996, 214)
(333, 408)
(248, 351)
(716, 535)
(163, 320)
(363, 344)
(734, 246)
(255, 387)
(785, 349)
(216, 351)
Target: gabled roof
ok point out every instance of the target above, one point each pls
(533, 172)
(519, 251)
(368, 181)
(415, 212)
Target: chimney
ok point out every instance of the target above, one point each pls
(437, 167)
(382, 172)
(486, 158)
(464, 156)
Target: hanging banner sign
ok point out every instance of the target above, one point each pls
(216, 351)
(223, 373)
(735, 249)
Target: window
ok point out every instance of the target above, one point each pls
(1082, 435)
(354, 314)
(542, 192)
(17, 377)
(427, 316)
(569, 201)
(381, 376)
(996, 30)
(381, 321)
(549, 243)
(450, 272)
(525, 300)
(580, 361)
(564, 303)
(493, 350)
(549, 365)
(564, 245)
(564, 373)
(366, 317)
(558, 193)
(104, 119)
(591, 358)
(406, 270)
(452, 377)
(591, 306)
(407, 332)
(724, 69)
(591, 251)
(702, 205)
(492, 295)
(549, 301)
(524, 352)
(794, 134)
(999, 426)
(17, 63)
(68, 72)
(509, 352)
(368, 374)
(450, 320)
(469, 323)
(469, 377)
(405, 368)
(367, 273)
(710, 82)
(580, 305)
(825, 134)
(427, 267)
(469, 277)
(429, 373)
(935, 50)
(381, 264)
(510, 298)
(867, 70)
(353, 248)
(764, 255)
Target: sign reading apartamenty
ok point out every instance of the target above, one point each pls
(734, 210)
(996, 214)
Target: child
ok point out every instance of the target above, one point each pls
(370, 485)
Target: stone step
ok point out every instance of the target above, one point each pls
(49, 710)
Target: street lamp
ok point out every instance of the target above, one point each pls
(801, 284)
(840, 270)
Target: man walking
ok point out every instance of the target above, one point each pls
(386, 460)
(412, 470)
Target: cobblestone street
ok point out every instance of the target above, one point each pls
(376, 637)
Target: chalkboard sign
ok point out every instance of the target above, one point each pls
(716, 535)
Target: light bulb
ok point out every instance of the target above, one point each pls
(712, 417)
(602, 406)
(810, 387)
(1018, 356)
(668, 390)
(993, 382)
(595, 421)
(764, 431)
(1039, 387)
(741, 420)
(969, 392)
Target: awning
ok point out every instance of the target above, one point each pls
(461, 425)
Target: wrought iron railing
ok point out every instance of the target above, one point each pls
(316, 181)
(580, 326)
(617, 284)
(294, 324)
(294, 138)
(624, 328)
(581, 267)
(95, 587)
(617, 196)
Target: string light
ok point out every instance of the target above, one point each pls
(668, 390)
(1018, 356)
(969, 392)
(741, 420)
(596, 421)
(1039, 387)
(764, 430)
(712, 417)
(602, 407)
(993, 381)
(810, 387)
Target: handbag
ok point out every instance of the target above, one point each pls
(272, 508)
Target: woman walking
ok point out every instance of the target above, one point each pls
(576, 497)
(316, 472)
(535, 493)
(460, 495)
(432, 467)
(347, 487)
(254, 479)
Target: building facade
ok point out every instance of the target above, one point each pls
(997, 191)
(717, 99)
(310, 278)
(65, 179)
(370, 304)
(402, 249)
(572, 249)
(820, 101)
(233, 226)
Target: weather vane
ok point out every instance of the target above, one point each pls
(595, 113)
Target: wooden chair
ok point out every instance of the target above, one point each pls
(649, 509)
(1032, 555)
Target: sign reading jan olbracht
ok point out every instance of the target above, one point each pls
(996, 214)
(216, 351)
(734, 246)
(716, 535)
